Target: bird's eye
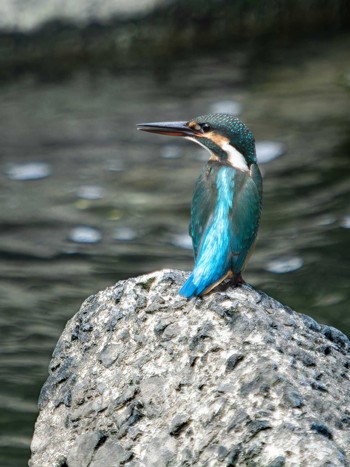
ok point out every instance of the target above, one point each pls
(206, 127)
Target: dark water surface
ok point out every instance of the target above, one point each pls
(128, 194)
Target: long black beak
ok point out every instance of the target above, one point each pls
(168, 128)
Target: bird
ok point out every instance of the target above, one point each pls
(227, 199)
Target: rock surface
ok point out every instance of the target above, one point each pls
(141, 377)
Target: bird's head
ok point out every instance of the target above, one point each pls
(225, 137)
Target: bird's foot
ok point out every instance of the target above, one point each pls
(237, 280)
(228, 280)
(232, 280)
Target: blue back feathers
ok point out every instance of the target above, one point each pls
(215, 244)
(224, 222)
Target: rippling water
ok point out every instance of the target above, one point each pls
(86, 200)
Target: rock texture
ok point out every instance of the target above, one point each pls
(141, 377)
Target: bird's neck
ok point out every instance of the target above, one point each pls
(222, 151)
(230, 156)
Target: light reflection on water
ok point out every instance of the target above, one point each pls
(132, 191)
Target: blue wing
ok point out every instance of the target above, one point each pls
(203, 205)
(245, 216)
(224, 222)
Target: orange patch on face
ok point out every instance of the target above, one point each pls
(216, 138)
(219, 140)
(194, 125)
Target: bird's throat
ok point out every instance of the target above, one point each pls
(221, 150)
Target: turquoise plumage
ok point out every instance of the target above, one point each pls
(224, 222)
(226, 201)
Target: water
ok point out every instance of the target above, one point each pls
(114, 202)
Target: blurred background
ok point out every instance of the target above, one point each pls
(86, 200)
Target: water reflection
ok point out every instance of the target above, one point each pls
(284, 264)
(267, 151)
(124, 234)
(182, 240)
(226, 107)
(345, 222)
(85, 234)
(28, 171)
(91, 192)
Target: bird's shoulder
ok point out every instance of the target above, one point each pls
(214, 169)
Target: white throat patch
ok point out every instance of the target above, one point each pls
(234, 157)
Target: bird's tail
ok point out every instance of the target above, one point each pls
(190, 289)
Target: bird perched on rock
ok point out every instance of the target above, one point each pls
(226, 202)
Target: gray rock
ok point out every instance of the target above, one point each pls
(178, 424)
(111, 453)
(82, 451)
(142, 377)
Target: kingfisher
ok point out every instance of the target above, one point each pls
(227, 198)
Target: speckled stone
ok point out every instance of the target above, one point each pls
(141, 377)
